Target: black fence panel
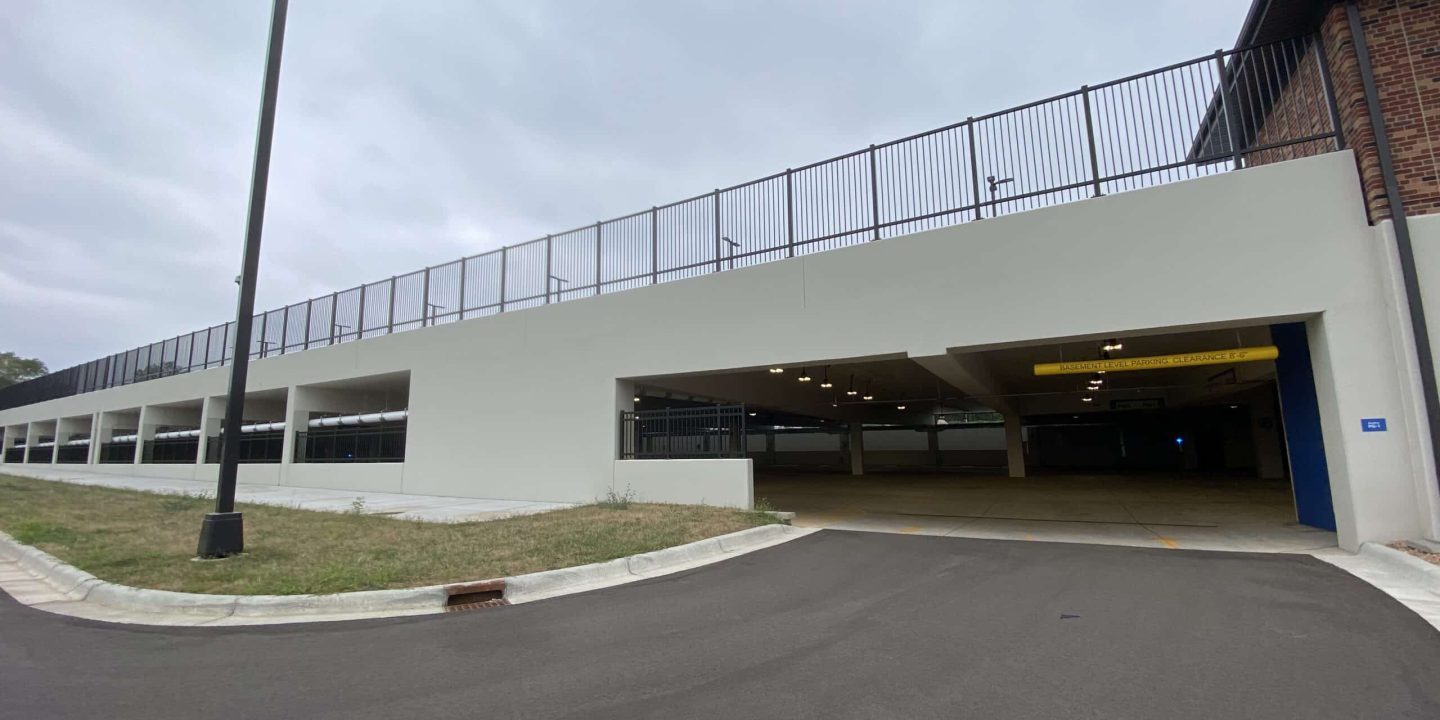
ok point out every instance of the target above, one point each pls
(73, 454)
(113, 453)
(375, 444)
(703, 432)
(260, 447)
(171, 451)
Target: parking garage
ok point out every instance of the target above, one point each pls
(985, 443)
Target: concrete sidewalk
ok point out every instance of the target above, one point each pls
(425, 508)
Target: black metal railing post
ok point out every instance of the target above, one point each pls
(789, 212)
(598, 254)
(718, 243)
(1090, 140)
(654, 245)
(1327, 85)
(974, 165)
(504, 258)
(360, 316)
(1232, 125)
(390, 326)
(334, 300)
(460, 313)
(874, 195)
(549, 270)
(424, 299)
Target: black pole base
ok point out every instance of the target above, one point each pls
(221, 535)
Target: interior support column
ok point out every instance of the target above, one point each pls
(1015, 445)
(857, 449)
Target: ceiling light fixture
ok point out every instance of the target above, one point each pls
(867, 395)
(1087, 399)
(899, 407)
(825, 383)
(851, 392)
(804, 375)
(776, 371)
(1112, 345)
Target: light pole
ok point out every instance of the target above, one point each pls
(223, 532)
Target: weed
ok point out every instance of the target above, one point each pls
(617, 501)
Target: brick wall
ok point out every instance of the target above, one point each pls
(1404, 43)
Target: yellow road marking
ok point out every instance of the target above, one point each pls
(1168, 542)
(911, 529)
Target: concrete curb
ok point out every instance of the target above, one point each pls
(153, 607)
(1404, 565)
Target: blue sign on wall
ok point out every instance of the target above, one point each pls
(1372, 424)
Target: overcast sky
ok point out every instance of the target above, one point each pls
(412, 133)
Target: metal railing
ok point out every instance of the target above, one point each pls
(383, 443)
(113, 453)
(72, 454)
(171, 451)
(256, 447)
(699, 432)
(1194, 118)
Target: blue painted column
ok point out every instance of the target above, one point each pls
(1304, 443)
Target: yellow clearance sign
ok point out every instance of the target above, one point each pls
(1157, 362)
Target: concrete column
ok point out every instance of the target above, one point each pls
(1266, 437)
(770, 447)
(104, 429)
(857, 449)
(1015, 445)
(299, 403)
(212, 415)
(32, 436)
(145, 431)
(7, 441)
(93, 453)
(932, 442)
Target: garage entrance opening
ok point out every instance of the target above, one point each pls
(1208, 449)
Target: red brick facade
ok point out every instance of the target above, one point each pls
(1404, 43)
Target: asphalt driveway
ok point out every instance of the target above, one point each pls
(834, 625)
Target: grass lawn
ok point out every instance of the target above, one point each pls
(148, 540)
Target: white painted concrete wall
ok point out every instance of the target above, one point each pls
(723, 483)
(523, 405)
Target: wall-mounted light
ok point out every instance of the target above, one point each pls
(636, 398)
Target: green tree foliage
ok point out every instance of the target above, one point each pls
(14, 369)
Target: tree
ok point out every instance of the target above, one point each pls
(14, 369)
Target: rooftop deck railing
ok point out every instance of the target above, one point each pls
(1199, 117)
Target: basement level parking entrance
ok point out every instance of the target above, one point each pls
(1206, 440)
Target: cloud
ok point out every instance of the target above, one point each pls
(413, 133)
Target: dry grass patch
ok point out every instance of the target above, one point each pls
(148, 540)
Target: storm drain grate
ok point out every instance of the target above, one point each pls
(475, 596)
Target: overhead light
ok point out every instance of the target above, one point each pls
(804, 375)
(825, 382)
(1112, 345)
(1087, 399)
(851, 392)
(636, 398)
(776, 371)
(867, 397)
(899, 407)
(752, 414)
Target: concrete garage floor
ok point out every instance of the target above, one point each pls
(1150, 510)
